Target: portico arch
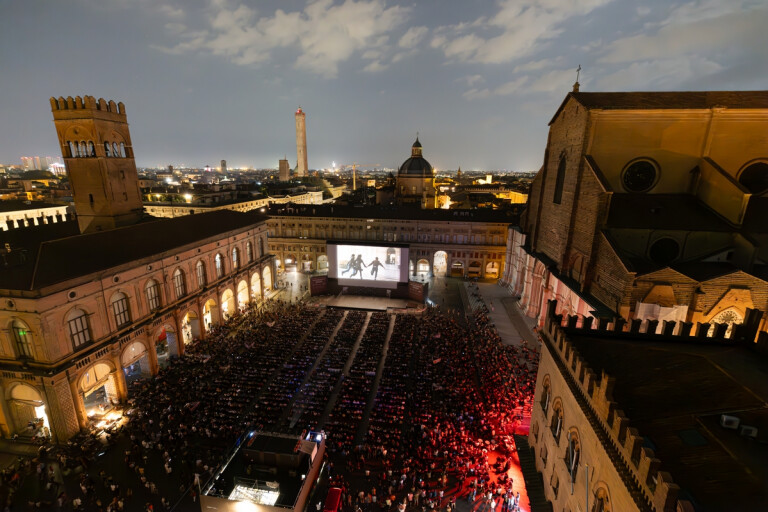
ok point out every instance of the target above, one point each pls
(28, 410)
(422, 267)
(98, 389)
(166, 345)
(227, 304)
(440, 265)
(134, 360)
(492, 269)
(243, 297)
(266, 275)
(210, 314)
(190, 327)
(322, 262)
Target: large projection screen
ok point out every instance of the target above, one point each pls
(379, 266)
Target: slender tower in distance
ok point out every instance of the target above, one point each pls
(301, 143)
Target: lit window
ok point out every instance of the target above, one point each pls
(79, 333)
(153, 295)
(23, 338)
(200, 269)
(120, 310)
(179, 286)
(249, 251)
(235, 258)
(219, 260)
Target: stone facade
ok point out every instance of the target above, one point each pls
(454, 245)
(56, 367)
(640, 190)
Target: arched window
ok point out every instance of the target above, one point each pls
(122, 149)
(572, 452)
(152, 291)
(200, 271)
(82, 149)
(120, 309)
(115, 151)
(546, 395)
(106, 150)
(557, 421)
(602, 501)
(79, 333)
(559, 181)
(261, 247)
(179, 285)
(22, 337)
(72, 149)
(91, 149)
(249, 251)
(219, 260)
(235, 258)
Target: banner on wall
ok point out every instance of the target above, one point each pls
(318, 285)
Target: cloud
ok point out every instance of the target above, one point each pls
(374, 67)
(659, 74)
(727, 34)
(412, 37)
(326, 33)
(693, 46)
(536, 65)
(518, 29)
(471, 80)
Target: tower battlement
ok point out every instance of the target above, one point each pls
(61, 106)
(96, 145)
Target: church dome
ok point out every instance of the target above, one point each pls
(416, 166)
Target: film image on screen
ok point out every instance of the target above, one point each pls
(369, 263)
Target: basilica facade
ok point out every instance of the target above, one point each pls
(649, 206)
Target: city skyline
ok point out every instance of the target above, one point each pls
(210, 80)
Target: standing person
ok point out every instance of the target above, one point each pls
(375, 264)
(359, 266)
(350, 264)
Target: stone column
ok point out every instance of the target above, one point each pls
(154, 366)
(121, 387)
(179, 334)
(77, 399)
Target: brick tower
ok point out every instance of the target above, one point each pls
(96, 146)
(301, 143)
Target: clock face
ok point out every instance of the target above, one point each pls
(640, 176)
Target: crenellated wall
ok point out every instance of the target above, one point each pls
(639, 467)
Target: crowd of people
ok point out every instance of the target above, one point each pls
(448, 400)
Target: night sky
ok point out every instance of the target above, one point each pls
(205, 80)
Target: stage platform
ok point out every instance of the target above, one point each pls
(363, 302)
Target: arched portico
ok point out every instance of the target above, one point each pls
(98, 388)
(243, 297)
(440, 264)
(190, 327)
(134, 360)
(166, 345)
(28, 410)
(266, 275)
(227, 304)
(210, 314)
